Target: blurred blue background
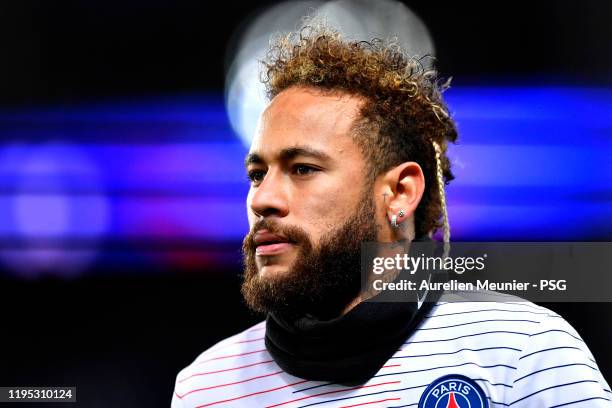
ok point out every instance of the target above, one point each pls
(122, 189)
(533, 163)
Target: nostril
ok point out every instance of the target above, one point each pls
(266, 212)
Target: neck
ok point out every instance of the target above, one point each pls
(392, 275)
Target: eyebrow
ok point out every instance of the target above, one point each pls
(288, 154)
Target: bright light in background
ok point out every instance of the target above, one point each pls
(44, 213)
(355, 19)
(245, 96)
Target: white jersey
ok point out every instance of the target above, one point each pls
(516, 353)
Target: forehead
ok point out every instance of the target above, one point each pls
(307, 117)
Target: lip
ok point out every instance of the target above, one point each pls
(272, 249)
(268, 243)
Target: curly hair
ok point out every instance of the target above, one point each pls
(403, 117)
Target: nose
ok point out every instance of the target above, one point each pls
(269, 198)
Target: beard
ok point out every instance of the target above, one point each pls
(323, 279)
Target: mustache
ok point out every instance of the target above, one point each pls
(291, 233)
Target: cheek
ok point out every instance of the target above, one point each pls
(324, 210)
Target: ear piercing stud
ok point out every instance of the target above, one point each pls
(394, 223)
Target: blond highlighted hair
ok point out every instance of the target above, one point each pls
(404, 117)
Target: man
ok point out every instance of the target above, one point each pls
(351, 149)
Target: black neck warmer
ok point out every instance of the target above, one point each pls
(348, 349)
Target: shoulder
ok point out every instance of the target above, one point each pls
(487, 314)
(224, 363)
(557, 368)
(478, 335)
(490, 315)
(236, 343)
(532, 355)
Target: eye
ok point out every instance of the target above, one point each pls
(256, 176)
(304, 169)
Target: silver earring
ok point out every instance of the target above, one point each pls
(394, 221)
(401, 213)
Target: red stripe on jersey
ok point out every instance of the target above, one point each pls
(248, 341)
(225, 385)
(391, 365)
(371, 402)
(229, 356)
(251, 394)
(332, 392)
(214, 350)
(225, 369)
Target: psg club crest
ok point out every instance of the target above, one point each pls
(453, 391)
